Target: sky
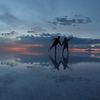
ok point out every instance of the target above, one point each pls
(33, 23)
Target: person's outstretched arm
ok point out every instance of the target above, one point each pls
(60, 43)
(70, 38)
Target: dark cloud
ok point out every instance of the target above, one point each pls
(45, 34)
(49, 35)
(10, 34)
(36, 29)
(84, 41)
(44, 39)
(65, 21)
(88, 20)
(31, 40)
(78, 15)
(31, 31)
(54, 28)
(80, 21)
(47, 39)
(55, 23)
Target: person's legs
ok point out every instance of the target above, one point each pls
(63, 51)
(55, 49)
(54, 44)
(67, 50)
(51, 47)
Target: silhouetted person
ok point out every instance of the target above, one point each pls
(65, 62)
(57, 41)
(65, 45)
(55, 63)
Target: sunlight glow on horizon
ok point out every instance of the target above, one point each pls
(25, 50)
(96, 50)
(21, 47)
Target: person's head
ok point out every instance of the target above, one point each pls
(65, 38)
(58, 36)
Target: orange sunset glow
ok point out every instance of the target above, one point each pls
(21, 47)
(84, 50)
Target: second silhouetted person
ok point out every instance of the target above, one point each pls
(65, 45)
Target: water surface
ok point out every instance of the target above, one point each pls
(39, 76)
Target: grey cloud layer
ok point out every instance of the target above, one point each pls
(10, 34)
(46, 39)
(65, 21)
(36, 29)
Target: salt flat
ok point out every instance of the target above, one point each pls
(38, 79)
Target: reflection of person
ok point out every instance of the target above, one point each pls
(55, 63)
(57, 40)
(65, 63)
(65, 44)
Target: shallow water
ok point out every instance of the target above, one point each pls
(38, 76)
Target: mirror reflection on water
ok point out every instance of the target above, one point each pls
(40, 76)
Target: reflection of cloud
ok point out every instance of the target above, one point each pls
(38, 57)
(8, 63)
(74, 58)
(43, 64)
(43, 60)
(82, 58)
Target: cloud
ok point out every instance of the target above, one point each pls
(30, 40)
(50, 35)
(43, 38)
(10, 19)
(65, 21)
(10, 34)
(54, 28)
(78, 15)
(36, 30)
(47, 39)
(55, 23)
(31, 31)
(84, 41)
